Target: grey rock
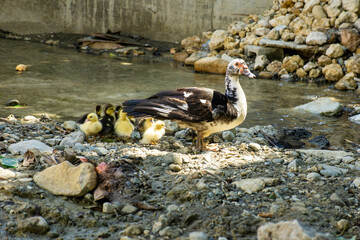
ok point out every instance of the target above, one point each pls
(175, 167)
(323, 106)
(78, 147)
(73, 138)
(255, 147)
(70, 125)
(133, 230)
(171, 127)
(272, 53)
(253, 185)
(316, 38)
(337, 199)
(326, 154)
(108, 208)
(171, 232)
(34, 225)
(228, 136)
(198, 236)
(128, 209)
(101, 151)
(279, 44)
(23, 146)
(313, 176)
(332, 171)
(355, 119)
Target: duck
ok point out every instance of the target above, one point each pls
(144, 123)
(202, 109)
(97, 112)
(91, 126)
(123, 126)
(153, 133)
(108, 119)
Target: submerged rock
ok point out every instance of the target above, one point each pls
(66, 179)
(323, 106)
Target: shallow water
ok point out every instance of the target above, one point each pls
(66, 84)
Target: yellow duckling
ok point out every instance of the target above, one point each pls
(154, 133)
(21, 67)
(91, 126)
(145, 123)
(123, 126)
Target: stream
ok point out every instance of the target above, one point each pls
(66, 84)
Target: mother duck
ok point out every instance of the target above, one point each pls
(203, 109)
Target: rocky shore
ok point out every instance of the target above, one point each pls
(309, 40)
(63, 187)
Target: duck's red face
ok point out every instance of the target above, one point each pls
(239, 67)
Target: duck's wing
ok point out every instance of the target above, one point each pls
(185, 104)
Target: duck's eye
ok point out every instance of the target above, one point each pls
(237, 64)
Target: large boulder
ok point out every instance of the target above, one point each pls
(333, 72)
(335, 50)
(288, 230)
(350, 39)
(191, 42)
(353, 64)
(22, 147)
(347, 82)
(211, 65)
(316, 38)
(323, 106)
(67, 179)
(217, 40)
(194, 57)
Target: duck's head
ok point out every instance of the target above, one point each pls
(122, 115)
(98, 110)
(239, 67)
(109, 109)
(159, 124)
(92, 117)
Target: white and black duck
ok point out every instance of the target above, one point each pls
(205, 110)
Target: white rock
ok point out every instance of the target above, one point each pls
(335, 50)
(261, 31)
(73, 138)
(316, 38)
(22, 147)
(310, 65)
(101, 151)
(70, 125)
(309, 4)
(108, 208)
(332, 171)
(253, 185)
(355, 119)
(356, 182)
(6, 173)
(323, 106)
(281, 20)
(129, 209)
(260, 62)
(236, 27)
(217, 40)
(198, 236)
(313, 176)
(288, 230)
(351, 5)
(326, 154)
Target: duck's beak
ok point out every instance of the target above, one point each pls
(247, 72)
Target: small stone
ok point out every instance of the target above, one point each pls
(73, 138)
(133, 230)
(34, 225)
(313, 176)
(175, 167)
(342, 225)
(336, 199)
(255, 147)
(128, 209)
(23, 146)
(70, 125)
(101, 151)
(316, 38)
(318, 12)
(335, 51)
(173, 208)
(198, 236)
(355, 119)
(6, 173)
(274, 208)
(253, 185)
(301, 73)
(108, 208)
(314, 73)
(228, 136)
(171, 232)
(332, 171)
(260, 62)
(266, 75)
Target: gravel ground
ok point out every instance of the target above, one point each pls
(169, 191)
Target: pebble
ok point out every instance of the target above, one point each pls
(108, 208)
(336, 199)
(332, 171)
(228, 136)
(198, 236)
(173, 208)
(73, 138)
(128, 209)
(70, 125)
(255, 147)
(132, 230)
(175, 167)
(34, 224)
(101, 151)
(313, 176)
(6, 173)
(278, 161)
(342, 225)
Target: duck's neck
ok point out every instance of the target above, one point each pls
(235, 93)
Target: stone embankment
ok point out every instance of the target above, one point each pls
(295, 39)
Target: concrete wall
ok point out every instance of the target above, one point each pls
(162, 20)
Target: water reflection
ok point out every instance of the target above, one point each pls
(67, 84)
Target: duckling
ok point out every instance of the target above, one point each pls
(22, 67)
(91, 126)
(123, 126)
(117, 110)
(108, 119)
(145, 123)
(154, 133)
(97, 111)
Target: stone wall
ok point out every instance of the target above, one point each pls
(162, 20)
